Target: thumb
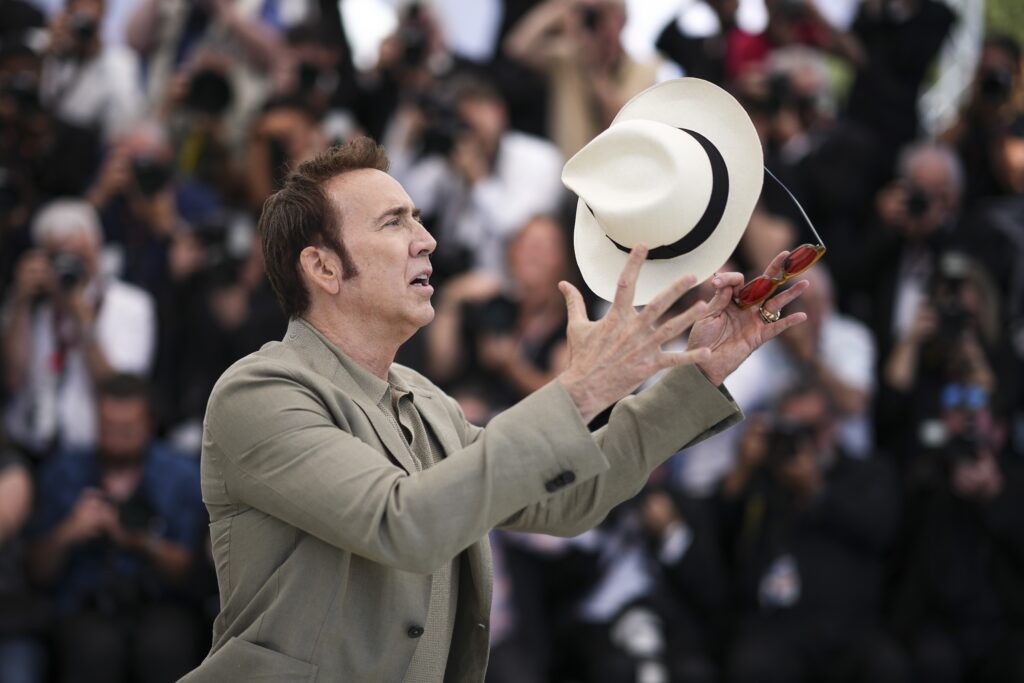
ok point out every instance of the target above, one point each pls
(573, 301)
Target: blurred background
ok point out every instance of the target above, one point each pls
(864, 523)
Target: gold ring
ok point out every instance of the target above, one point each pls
(768, 316)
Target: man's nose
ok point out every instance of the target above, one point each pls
(424, 243)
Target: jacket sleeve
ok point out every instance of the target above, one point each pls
(643, 431)
(271, 444)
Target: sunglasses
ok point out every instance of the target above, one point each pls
(798, 261)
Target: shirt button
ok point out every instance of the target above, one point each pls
(481, 627)
(415, 631)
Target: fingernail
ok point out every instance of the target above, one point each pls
(717, 282)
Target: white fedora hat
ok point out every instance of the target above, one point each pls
(680, 170)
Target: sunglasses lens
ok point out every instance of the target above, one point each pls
(754, 291)
(802, 258)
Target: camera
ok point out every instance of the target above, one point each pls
(918, 202)
(783, 442)
(209, 92)
(995, 84)
(444, 124)
(413, 37)
(496, 316)
(22, 87)
(151, 175)
(83, 27)
(69, 269)
(590, 18)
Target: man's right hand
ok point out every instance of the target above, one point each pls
(611, 357)
(91, 517)
(33, 277)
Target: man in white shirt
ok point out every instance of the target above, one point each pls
(65, 327)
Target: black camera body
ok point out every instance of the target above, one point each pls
(84, 27)
(69, 269)
(785, 440)
(151, 175)
(918, 202)
(497, 315)
(996, 84)
(444, 125)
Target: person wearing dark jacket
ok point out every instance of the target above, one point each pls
(806, 529)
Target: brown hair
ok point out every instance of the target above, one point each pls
(300, 215)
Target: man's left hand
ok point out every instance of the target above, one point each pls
(733, 333)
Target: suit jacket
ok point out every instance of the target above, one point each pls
(325, 536)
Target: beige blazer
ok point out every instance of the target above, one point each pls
(325, 536)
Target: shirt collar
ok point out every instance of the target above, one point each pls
(373, 386)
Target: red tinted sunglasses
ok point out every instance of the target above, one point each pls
(798, 261)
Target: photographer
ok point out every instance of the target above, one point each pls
(65, 328)
(806, 528)
(577, 44)
(955, 337)
(476, 181)
(960, 603)
(510, 342)
(115, 536)
(994, 104)
(84, 82)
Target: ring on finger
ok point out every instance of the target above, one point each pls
(767, 316)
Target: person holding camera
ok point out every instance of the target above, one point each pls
(577, 44)
(960, 597)
(85, 82)
(506, 343)
(115, 538)
(808, 528)
(66, 327)
(476, 181)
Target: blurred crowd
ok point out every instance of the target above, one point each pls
(864, 523)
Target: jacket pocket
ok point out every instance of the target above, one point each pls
(239, 660)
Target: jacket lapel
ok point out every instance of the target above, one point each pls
(434, 414)
(324, 361)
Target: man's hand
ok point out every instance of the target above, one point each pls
(92, 516)
(611, 357)
(33, 277)
(732, 333)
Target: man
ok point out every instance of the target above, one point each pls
(809, 528)
(86, 82)
(350, 500)
(66, 328)
(484, 184)
(116, 534)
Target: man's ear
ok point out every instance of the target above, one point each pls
(322, 268)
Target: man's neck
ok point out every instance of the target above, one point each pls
(358, 341)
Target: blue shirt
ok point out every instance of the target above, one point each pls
(98, 574)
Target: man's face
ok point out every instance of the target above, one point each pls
(124, 428)
(390, 249)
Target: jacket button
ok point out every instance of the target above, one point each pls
(561, 480)
(415, 631)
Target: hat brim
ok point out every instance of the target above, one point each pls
(707, 109)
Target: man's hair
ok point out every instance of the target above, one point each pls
(300, 215)
(66, 217)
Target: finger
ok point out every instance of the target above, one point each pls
(774, 268)
(783, 299)
(626, 290)
(721, 299)
(775, 329)
(673, 359)
(668, 296)
(574, 305)
(730, 279)
(680, 323)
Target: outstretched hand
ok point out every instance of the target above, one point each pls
(611, 357)
(732, 333)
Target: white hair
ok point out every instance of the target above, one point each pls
(913, 154)
(63, 218)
